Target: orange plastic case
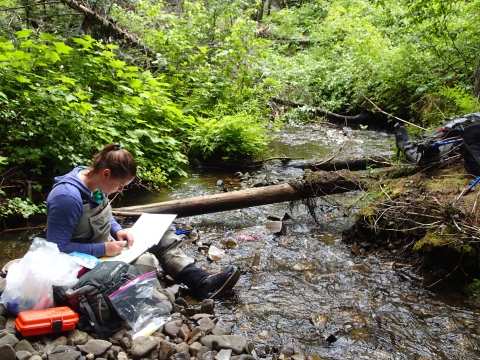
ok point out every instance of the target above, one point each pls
(46, 321)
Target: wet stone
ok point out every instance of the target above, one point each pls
(62, 340)
(64, 352)
(209, 355)
(23, 355)
(180, 356)
(125, 343)
(7, 339)
(243, 357)
(194, 348)
(10, 325)
(224, 354)
(182, 347)
(166, 350)
(288, 351)
(77, 337)
(25, 345)
(142, 345)
(206, 324)
(208, 306)
(276, 227)
(297, 357)
(3, 310)
(172, 328)
(7, 352)
(96, 347)
(235, 342)
(122, 356)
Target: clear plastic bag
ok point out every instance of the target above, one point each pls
(30, 280)
(139, 303)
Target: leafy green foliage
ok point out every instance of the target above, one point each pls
(399, 55)
(61, 103)
(18, 206)
(228, 137)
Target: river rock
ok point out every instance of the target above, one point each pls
(166, 350)
(172, 327)
(209, 355)
(182, 347)
(224, 354)
(7, 339)
(7, 352)
(10, 326)
(96, 347)
(243, 357)
(77, 337)
(276, 227)
(142, 345)
(64, 352)
(36, 357)
(235, 342)
(208, 306)
(3, 310)
(205, 324)
(24, 345)
(180, 356)
(122, 356)
(23, 355)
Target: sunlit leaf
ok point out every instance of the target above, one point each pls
(48, 37)
(23, 34)
(52, 56)
(62, 48)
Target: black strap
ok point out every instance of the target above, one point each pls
(91, 316)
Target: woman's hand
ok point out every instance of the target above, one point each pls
(123, 235)
(114, 248)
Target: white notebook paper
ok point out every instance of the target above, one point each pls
(148, 230)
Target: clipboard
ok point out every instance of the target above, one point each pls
(147, 230)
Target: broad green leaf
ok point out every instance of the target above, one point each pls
(126, 89)
(62, 48)
(22, 79)
(48, 37)
(70, 98)
(134, 83)
(85, 43)
(27, 43)
(117, 64)
(66, 80)
(52, 56)
(23, 34)
(112, 46)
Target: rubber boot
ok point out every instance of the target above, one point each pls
(206, 285)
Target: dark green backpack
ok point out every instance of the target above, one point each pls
(90, 295)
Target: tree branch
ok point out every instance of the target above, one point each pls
(108, 24)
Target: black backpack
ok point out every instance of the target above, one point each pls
(470, 149)
(436, 143)
(89, 296)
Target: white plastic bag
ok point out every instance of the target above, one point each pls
(30, 280)
(139, 303)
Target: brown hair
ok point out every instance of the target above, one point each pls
(118, 160)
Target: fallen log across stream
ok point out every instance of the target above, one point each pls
(314, 183)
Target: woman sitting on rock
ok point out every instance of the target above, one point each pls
(79, 218)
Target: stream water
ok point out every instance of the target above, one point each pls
(309, 291)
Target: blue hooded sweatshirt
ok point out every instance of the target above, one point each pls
(65, 208)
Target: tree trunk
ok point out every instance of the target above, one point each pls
(316, 183)
(92, 15)
(363, 119)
